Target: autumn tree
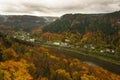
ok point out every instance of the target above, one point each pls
(8, 54)
(61, 74)
(11, 70)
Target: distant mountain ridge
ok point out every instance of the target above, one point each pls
(106, 23)
(25, 22)
(98, 29)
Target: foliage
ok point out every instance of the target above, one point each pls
(61, 75)
(8, 54)
(11, 70)
(100, 29)
(25, 23)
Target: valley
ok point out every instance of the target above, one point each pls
(71, 47)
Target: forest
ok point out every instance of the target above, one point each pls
(102, 30)
(24, 60)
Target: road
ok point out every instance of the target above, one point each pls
(112, 67)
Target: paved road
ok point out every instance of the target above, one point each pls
(115, 68)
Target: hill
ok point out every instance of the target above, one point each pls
(26, 23)
(98, 29)
(106, 23)
(23, 62)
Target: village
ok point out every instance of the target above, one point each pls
(21, 35)
(89, 47)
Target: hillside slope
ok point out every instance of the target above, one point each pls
(23, 62)
(101, 29)
(107, 23)
(26, 23)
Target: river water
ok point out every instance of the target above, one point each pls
(92, 61)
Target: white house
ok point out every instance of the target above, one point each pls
(32, 40)
(102, 51)
(56, 43)
(113, 51)
(92, 47)
(15, 36)
(66, 40)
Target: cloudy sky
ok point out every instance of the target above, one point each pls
(57, 7)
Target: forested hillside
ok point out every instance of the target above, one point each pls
(43, 58)
(99, 29)
(25, 62)
(26, 23)
(107, 23)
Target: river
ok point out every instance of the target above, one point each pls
(92, 61)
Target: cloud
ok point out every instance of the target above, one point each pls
(58, 7)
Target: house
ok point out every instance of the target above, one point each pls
(27, 34)
(63, 44)
(102, 51)
(107, 50)
(85, 46)
(118, 22)
(56, 43)
(92, 47)
(66, 40)
(15, 36)
(113, 51)
(32, 40)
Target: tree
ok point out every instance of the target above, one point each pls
(11, 70)
(76, 75)
(8, 54)
(87, 77)
(61, 74)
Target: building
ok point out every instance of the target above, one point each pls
(32, 40)
(56, 43)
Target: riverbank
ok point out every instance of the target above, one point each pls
(104, 63)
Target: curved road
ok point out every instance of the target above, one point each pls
(112, 67)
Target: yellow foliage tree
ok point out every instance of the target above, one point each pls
(88, 77)
(61, 74)
(76, 75)
(9, 54)
(11, 70)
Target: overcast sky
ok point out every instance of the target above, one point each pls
(57, 7)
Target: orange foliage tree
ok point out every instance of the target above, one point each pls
(11, 70)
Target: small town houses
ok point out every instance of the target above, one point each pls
(23, 36)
